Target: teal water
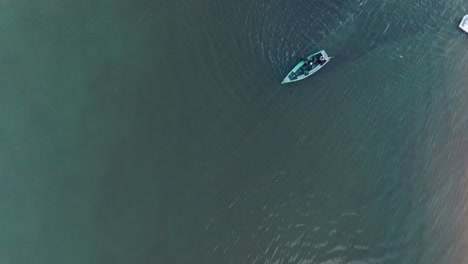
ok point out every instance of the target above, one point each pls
(158, 132)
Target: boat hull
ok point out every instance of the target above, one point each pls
(464, 23)
(302, 71)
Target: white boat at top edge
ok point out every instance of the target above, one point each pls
(464, 23)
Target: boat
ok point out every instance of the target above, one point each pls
(307, 67)
(464, 23)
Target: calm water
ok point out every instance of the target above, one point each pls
(158, 132)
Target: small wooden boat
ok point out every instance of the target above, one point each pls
(307, 67)
(464, 23)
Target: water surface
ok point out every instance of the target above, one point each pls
(142, 131)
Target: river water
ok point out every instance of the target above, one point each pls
(158, 132)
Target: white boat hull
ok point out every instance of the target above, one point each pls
(464, 23)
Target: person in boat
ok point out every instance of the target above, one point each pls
(306, 67)
(322, 59)
(314, 60)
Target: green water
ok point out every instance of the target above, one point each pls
(158, 132)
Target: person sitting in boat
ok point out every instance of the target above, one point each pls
(314, 60)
